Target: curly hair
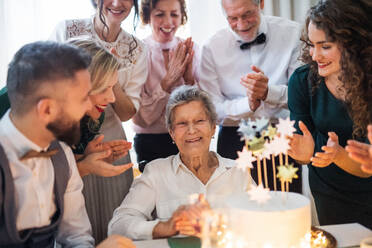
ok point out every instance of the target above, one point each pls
(348, 24)
(148, 5)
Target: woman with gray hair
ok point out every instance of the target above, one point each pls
(167, 186)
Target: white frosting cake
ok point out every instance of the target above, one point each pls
(281, 222)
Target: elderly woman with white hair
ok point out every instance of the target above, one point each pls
(165, 187)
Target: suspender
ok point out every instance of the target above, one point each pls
(9, 234)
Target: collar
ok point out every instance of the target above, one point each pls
(162, 46)
(222, 166)
(21, 144)
(262, 29)
(95, 35)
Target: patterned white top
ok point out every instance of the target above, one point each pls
(131, 51)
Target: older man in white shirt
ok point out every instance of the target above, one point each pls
(245, 68)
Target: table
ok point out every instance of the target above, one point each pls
(347, 236)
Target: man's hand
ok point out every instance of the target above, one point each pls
(256, 84)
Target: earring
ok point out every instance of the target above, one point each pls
(173, 142)
(213, 137)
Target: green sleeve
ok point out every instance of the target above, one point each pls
(4, 101)
(299, 99)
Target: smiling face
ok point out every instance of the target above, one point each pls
(104, 97)
(115, 11)
(165, 19)
(243, 17)
(324, 52)
(73, 103)
(191, 129)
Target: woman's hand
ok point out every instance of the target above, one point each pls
(176, 66)
(94, 163)
(361, 152)
(191, 222)
(119, 148)
(116, 241)
(331, 151)
(301, 146)
(168, 228)
(188, 76)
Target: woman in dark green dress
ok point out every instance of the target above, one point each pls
(331, 100)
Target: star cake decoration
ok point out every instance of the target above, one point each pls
(286, 173)
(259, 194)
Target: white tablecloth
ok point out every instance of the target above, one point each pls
(347, 235)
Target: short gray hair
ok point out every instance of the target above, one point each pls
(257, 2)
(185, 94)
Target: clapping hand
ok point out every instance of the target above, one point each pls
(119, 148)
(301, 146)
(95, 163)
(331, 151)
(361, 152)
(99, 155)
(176, 66)
(188, 76)
(256, 84)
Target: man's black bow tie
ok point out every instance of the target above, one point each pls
(260, 39)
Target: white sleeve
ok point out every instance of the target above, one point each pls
(59, 33)
(75, 229)
(133, 217)
(278, 93)
(137, 78)
(234, 108)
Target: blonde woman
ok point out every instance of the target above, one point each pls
(105, 28)
(94, 155)
(102, 194)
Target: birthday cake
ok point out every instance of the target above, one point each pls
(260, 218)
(282, 222)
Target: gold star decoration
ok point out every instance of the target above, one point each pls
(286, 173)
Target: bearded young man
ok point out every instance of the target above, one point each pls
(40, 187)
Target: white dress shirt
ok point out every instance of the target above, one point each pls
(167, 184)
(223, 64)
(34, 189)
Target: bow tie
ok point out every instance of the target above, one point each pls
(259, 40)
(35, 154)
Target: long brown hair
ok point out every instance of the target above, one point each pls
(348, 23)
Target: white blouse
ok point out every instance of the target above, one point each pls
(131, 53)
(167, 184)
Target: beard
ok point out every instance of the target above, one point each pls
(65, 130)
